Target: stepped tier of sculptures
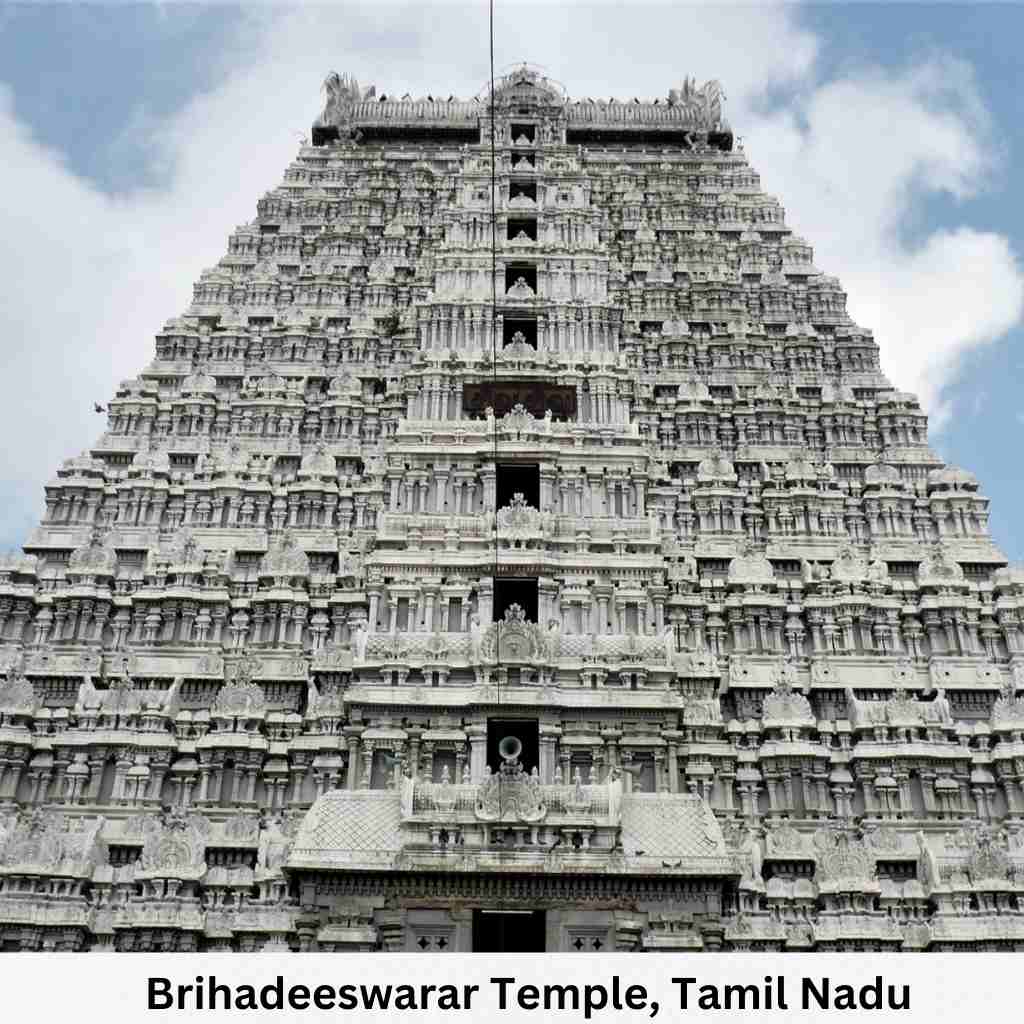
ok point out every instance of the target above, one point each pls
(255, 649)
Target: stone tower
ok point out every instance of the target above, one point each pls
(566, 578)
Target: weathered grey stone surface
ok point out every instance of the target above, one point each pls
(250, 652)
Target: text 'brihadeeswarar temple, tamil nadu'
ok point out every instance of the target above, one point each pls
(549, 568)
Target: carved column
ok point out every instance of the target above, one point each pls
(477, 734)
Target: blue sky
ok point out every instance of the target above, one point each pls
(133, 139)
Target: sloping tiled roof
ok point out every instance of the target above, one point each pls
(343, 829)
(672, 831)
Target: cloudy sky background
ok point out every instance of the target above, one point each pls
(134, 139)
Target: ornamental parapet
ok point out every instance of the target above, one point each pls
(498, 824)
(519, 522)
(508, 797)
(686, 107)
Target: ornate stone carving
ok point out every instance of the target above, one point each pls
(902, 710)
(716, 469)
(785, 708)
(318, 463)
(284, 560)
(94, 559)
(242, 697)
(701, 107)
(843, 860)
(17, 694)
(751, 568)
(938, 569)
(174, 846)
(518, 520)
(513, 639)
(510, 795)
(341, 92)
(1008, 709)
(51, 843)
(849, 565)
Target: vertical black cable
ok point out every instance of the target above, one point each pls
(494, 381)
(494, 341)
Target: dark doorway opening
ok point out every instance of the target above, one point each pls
(525, 730)
(508, 931)
(522, 189)
(526, 225)
(519, 331)
(521, 478)
(527, 131)
(510, 590)
(519, 274)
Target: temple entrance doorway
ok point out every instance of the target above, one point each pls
(508, 931)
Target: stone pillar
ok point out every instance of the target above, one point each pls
(549, 736)
(477, 734)
(352, 773)
(673, 762)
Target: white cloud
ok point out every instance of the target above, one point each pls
(91, 277)
(851, 159)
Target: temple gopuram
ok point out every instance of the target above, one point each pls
(515, 546)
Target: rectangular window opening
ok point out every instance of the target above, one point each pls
(525, 730)
(518, 478)
(455, 615)
(509, 931)
(510, 590)
(382, 769)
(518, 226)
(522, 190)
(524, 131)
(644, 780)
(522, 332)
(632, 619)
(402, 614)
(443, 759)
(520, 274)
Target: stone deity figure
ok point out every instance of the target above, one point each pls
(668, 642)
(753, 869)
(88, 696)
(654, 524)
(172, 695)
(928, 861)
(878, 572)
(547, 523)
(554, 640)
(273, 846)
(476, 639)
(788, 677)
(520, 289)
(360, 638)
(312, 696)
(941, 708)
(689, 564)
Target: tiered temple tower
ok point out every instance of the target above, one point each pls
(565, 577)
